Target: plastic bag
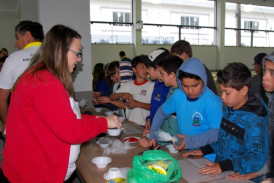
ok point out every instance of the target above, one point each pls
(164, 136)
(140, 173)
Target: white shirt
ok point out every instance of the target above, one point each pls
(75, 148)
(141, 93)
(15, 65)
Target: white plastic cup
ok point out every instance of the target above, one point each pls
(101, 161)
(114, 132)
(114, 173)
(109, 113)
(171, 148)
(98, 109)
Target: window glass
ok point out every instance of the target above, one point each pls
(247, 16)
(184, 12)
(111, 11)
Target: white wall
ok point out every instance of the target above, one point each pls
(74, 14)
(7, 34)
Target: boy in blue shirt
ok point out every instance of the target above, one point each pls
(243, 139)
(198, 109)
(160, 91)
(168, 68)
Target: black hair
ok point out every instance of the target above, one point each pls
(171, 63)
(122, 53)
(181, 46)
(183, 74)
(259, 58)
(3, 58)
(235, 75)
(35, 28)
(136, 60)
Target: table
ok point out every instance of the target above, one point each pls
(89, 173)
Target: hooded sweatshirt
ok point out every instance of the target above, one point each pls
(198, 119)
(269, 167)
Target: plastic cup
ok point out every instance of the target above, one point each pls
(114, 173)
(171, 148)
(102, 145)
(101, 161)
(109, 113)
(114, 132)
(98, 109)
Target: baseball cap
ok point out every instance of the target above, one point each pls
(155, 57)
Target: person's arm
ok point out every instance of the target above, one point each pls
(52, 104)
(116, 96)
(158, 121)
(208, 137)
(4, 95)
(134, 103)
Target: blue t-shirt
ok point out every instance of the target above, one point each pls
(158, 97)
(195, 117)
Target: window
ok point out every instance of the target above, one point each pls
(121, 17)
(251, 17)
(189, 21)
(104, 15)
(251, 25)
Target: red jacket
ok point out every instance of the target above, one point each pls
(40, 128)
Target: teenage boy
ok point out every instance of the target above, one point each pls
(268, 84)
(137, 93)
(168, 68)
(243, 139)
(160, 91)
(183, 50)
(102, 98)
(198, 109)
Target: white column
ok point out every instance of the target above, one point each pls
(137, 33)
(29, 10)
(76, 15)
(220, 33)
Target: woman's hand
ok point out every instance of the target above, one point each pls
(193, 153)
(114, 122)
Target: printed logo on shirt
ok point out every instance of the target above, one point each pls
(143, 92)
(197, 117)
(158, 97)
(26, 59)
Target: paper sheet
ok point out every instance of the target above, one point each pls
(190, 173)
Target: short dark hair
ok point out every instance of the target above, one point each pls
(3, 49)
(235, 75)
(3, 59)
(136, 60)
(181, 46)
(259, 58)
(183, 74)
(171, 63)
(35, 28)
(122, 53)
(111, 68)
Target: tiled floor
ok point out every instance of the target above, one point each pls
(76, 180)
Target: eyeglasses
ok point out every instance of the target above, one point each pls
(78, 54)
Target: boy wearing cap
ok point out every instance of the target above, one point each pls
(160, 91)
(137, 93)
(256, 84)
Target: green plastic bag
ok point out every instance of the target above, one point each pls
(141, 173)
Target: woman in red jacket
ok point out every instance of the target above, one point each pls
(41, 125)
